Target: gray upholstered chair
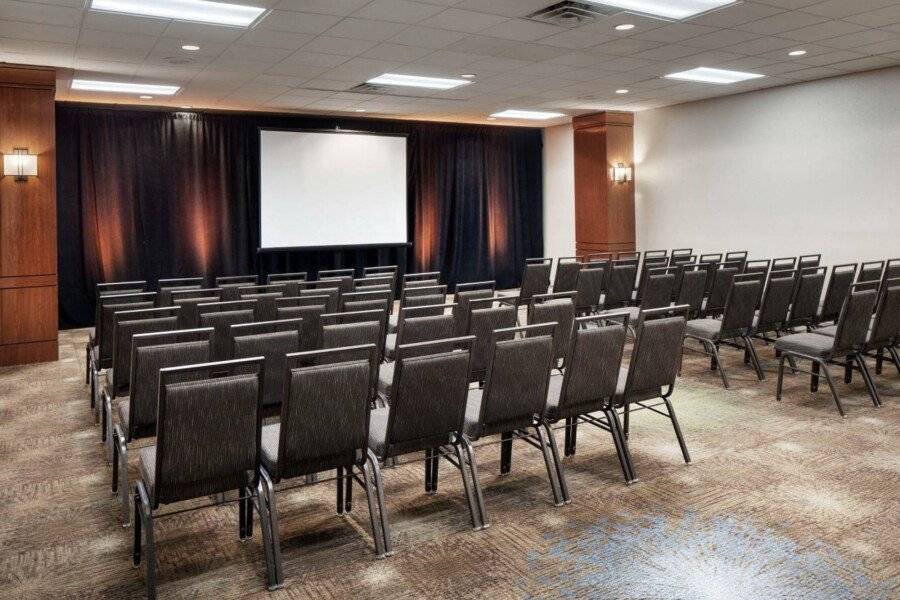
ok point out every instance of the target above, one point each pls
(589, 383)
(513, 400)
(273, 340)
(647, 264)
(167, 286)
(381, 271)
(188, 317)
(335, 273)
(589, 287)
(429, 295)
(620, 284)
(739, 256)
(358, 299)
(427, 413)
(421, 324)
(692, 288)
(102, 290)
(315, 288)
(283, 277)
(486, 316)
(265, 297)
(566, 276)
(344, 283)
(723, 277)
(735, 324)
(559, 308)
(236, 280)
(805, 303)
(807, 261)
(463, 295)
(759, 268)
(207, 443)
(710, 262)
(870, 271)
(679, 255)
(849, 343)
(657, 293)
(680, 268)
(535, 279)
(788, 263)
(150, 352)
(839, 284)
(221, 316)
(654, 365)
(309, 313)
(324, 425)
(354, 329)
(774, 309)
(425, 278)
(632, 258)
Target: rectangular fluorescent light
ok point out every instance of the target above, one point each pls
(200, 11)
(434, 83)
(667, 9)
(526, 114)
(124, 88)
(708, 75)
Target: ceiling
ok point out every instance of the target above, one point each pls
(305, 55)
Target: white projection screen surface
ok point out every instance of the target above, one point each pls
(325, 189)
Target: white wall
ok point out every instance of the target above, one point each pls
(799, 169)
(559, 191)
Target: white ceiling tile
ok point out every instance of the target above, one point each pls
(626, 46)
(676, 32)
(325, 7)
(862, 38)
(315, 59)
(427, 37)
(112, 39)
(298, 22)
(736, 14)
(781, 22)
(201, 33)
(721, 38)
(30, 12)
(521, 30)
(333, 45)
(400, 11)
(446, 58)
(463, 20)
(38, 32)
(822, 31)
(268, 38)
(123, 23)
(365, 29)
(878, 18)
(396, 52)
(840, 9)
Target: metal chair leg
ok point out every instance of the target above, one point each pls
(374, 517)
(626, 411)
(259, 504)
(506, 440)
(879, 361)
(814, 377)
(551, 469)
(268, 491)
(122, 452)
(780, 386)
(465, 473)
(715, 350)
(146, 516)
(678, 434)
(837, 400)
(896, 357)
(622, 446)
(867, 377)
(560, 473)
(754, 358)
(848, 369)
(476, 482)
(379, 492)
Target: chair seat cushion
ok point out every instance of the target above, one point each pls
(148, 468)
(707, 329)
(830, 331)
(269, 447)
(473, 412)
(620, 390)
(809, 344)
(385, 379)
(390, 345)
(378, 423)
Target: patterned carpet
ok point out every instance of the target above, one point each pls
(783, 500)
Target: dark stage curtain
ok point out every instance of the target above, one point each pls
(151, 194)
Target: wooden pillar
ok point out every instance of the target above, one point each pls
(604, 209)
(28, 297)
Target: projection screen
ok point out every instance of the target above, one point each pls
(325, 189)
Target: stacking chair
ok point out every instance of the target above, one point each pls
(556, 308)
(309, 309)
(657, 293)
(849, 343)
(322, 288)
(324, 425)
(344, 283)
(167, 286)
(805, 302)
(870, 271)
(692, 289)
(892, 269)
(381, 271)
(736, 324)
(679, 255)
(283, 277)
(221, 316)
(760, 268)
(421, 324)
(683, 259)
(488, 315)
(427, 413)
(188, 316)
(265, 295)
(378, 299)
(387, 282)
(330, 273)
(710, 262)
(655, 254)
(354, 329)
(465, 293)
(648, 264)
(514, 400)
(150, 352)
(620, 284)
(273, 340)
(682, 267)
(535, 279)
(739, 256)
(842, 277)
(632, 258)
(589, 287)
(776, 303)
(101, 290)
(207, 443)
(723, 277)
(654, 365)
(236, 280)
(784, 264)
(589, 383)
(809, 260)
(600, 257)
(430, 295)
(566, 276)
(426, 278)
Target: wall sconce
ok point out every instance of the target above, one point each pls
(621, 173)
(20, 164)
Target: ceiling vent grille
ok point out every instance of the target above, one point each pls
(573, 14)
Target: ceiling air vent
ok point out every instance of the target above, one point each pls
(572, 14)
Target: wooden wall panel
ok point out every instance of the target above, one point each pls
(28, 291)
(604, 210)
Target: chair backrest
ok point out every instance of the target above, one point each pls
(274, 346)
(566, 276)
(189, 316)
(484, 319)
(325, 412)
(590, 284)
(279, 277)
(151, 352)
(658, 289)
(107, 306)
(838, 287)
(788, 263)
(423, 324)
(427, 278)
(678, 254)
(535, 278)
(710, 262)
(265, 304)
(428, 396)
(757, 267)
(115, 288)
(311, 319)
(892, 269)
(333, 293)
(338, 332)
(332, 273)
(221, 323)
(592, 366)
(381, 271)
(656, 355)
(886, 327)
(655, 254)
(723, 277)
(424, 300)
(739, 256)
(649, 264)
(621, 281)
(382, 304)
(710, 258)
(556, 308)
(600, 257)
(167, 286)
(777, 297)
(365, 296)
(344, 282)
(236, 279)
(208, 430)
(856, 314)
(127, 324)
(692, 289)
(463, 297)
(809, 260)
(740, 308)
(808, 291)
(515, 389)
(629, 257)
(431, 291)
(682, 259)
(389, 280)
(870, 271)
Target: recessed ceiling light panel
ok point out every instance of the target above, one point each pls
(622, 91)
(434, 83)
(200, 11)
(624, 27)
(123, 88)
(797, 53)
(667, 9)
(527, 114)
(718, 76)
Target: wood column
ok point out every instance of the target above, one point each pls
(604, 209)
(28, 277)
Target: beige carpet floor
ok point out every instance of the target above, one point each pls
(783, 500)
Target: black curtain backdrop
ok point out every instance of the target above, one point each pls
(151, 194)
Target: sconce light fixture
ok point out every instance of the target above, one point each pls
(20, 164)
(621, 173)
